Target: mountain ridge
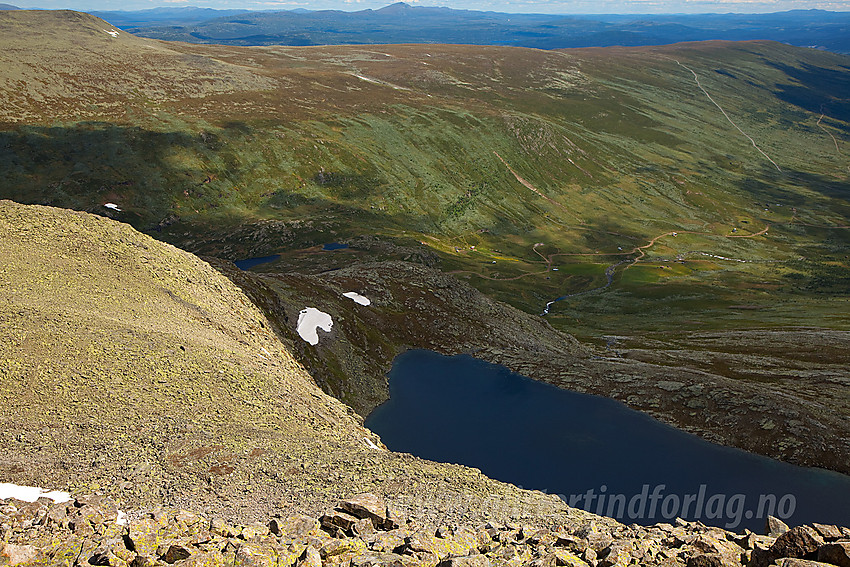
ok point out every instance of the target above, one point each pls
(163, 15)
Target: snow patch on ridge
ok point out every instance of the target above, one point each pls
(31, 493)
(357, 298)
(382, 83)
(310, 320)
(367, 79)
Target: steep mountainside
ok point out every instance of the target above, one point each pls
(413, 306)
(689, 203)
(133, 368)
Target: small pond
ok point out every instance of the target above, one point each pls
(594, 451)
(249, 263)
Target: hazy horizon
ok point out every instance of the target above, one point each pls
(635, 7)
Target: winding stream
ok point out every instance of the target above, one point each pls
(609, 275)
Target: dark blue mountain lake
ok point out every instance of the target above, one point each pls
(334, 246)
(249, 263)
(462, 410)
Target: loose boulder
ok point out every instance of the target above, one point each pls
(835, 553)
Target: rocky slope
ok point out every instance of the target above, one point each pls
(364, 531)
(415, 306)
(412, 306)
(134, 368)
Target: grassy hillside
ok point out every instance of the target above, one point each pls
(709, 180)
(280, 148)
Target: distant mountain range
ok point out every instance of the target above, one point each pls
(165, 16)
(8, 7)
(402, 23)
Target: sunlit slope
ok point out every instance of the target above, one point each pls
(59, 64)
(600, 152)
(130, 367)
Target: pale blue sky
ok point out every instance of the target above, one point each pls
(533, 6)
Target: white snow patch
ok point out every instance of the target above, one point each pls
(113, 33)
(122, 519)
(367, 79)
(357, 298)
(31, 493)
(371, 444)
(310, 320)
(382, 83)
(112, 206)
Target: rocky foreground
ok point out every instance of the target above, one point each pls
(365, 531)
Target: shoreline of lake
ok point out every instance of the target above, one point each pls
(583, 446)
